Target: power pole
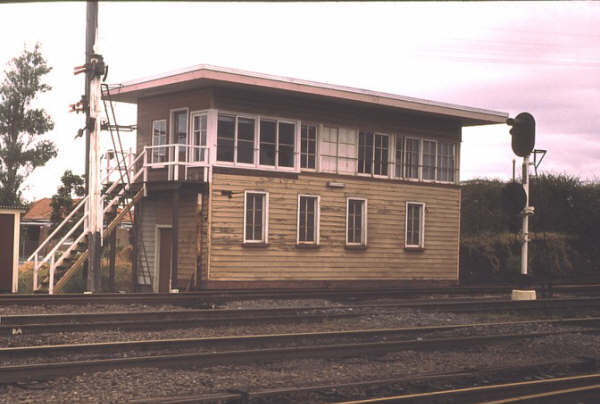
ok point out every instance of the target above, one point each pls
(92, 96)
(91, 28)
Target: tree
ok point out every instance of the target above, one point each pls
(62, 204)
(21, 150)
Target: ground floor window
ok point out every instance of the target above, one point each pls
(255, 217)
(308, 219)
(415, 225)
(356, 222)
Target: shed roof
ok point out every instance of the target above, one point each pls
(206, 75)
(39, 210)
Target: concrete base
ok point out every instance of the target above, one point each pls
(523, 294)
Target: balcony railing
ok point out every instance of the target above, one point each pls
(178, 159)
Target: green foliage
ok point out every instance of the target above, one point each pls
(20, 126)
(564, 230)
(62, 202)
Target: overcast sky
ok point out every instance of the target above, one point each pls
(540, 57)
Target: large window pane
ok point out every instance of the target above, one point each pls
(428, 160)
(159, 138)
(225, 137)
(399, 156)
(308, 142)
(380, 163)
(245, 152)
(445, 160)
(267, 142)
(199, 130)
(180, 128)
(286, 144)
(365, 152)
(412, 158)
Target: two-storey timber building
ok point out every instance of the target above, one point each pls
(262, 181)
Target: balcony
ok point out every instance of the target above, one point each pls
(175, 162)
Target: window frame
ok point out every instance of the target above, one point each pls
(192, 134)
(265, 217)
(159, 163)
(422, 159)
(317, 224)
(364, 222)
(421, 244)
(419, 158)
(454, 171)
(316, 126)
(295, 161)
(235, 162)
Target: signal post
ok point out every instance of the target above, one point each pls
(523, 142)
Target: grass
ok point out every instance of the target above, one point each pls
(77, 284)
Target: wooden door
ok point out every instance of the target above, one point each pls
(7, 229)
(164, 259)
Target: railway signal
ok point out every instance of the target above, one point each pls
(523, 133)
(523, 142)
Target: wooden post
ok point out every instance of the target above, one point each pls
(91, 26)
(174, 237)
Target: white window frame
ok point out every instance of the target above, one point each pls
(192, 135)
(317, 221)
(236, 117)
(419, 158)
(317, 127)
(172, 113)
(265, 218)
(295, 159)
(372, 168)
(159, 163)
(422, 160)
(421, 244)
(454, 155)
(364, 221)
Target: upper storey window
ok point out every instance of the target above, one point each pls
(308, 146)
(159, 140)
(277, 143)
(425, 159)
(235, 139)
(373, 149)
(337, 150)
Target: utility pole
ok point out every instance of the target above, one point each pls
(92, 96)
(91, 28)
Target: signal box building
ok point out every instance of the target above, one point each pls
(255, 180)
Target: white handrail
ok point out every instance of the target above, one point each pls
(65, 220)
(66, 236)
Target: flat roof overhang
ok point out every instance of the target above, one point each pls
(202, 76)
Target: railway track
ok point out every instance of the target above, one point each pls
(312, 345)
(542, 372)
(570, 388)
(70, 322)
(207, 297)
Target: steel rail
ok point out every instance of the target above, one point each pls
(241, 294)
(156, 324)
(565, 385)
(106, 347)
(14, 373)
(453, 376)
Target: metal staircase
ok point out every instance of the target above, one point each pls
(66, 257)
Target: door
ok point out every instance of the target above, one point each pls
(164, 259)
(7, 234)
